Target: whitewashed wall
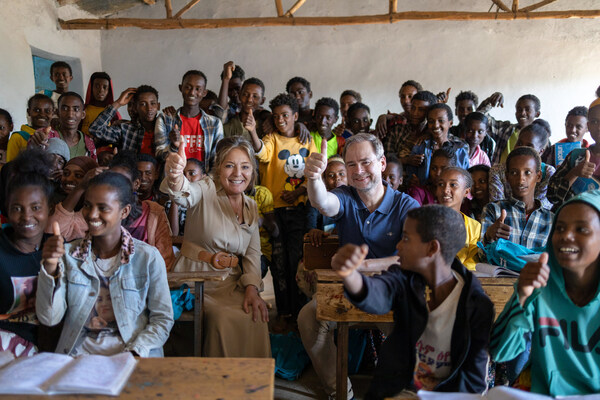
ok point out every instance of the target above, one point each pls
(27, 23)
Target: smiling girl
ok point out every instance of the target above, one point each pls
(27, 206)
(79, 277)
(557, 301)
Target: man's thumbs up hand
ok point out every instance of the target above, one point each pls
(316, 163)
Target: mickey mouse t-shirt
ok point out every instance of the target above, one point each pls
(282, 160)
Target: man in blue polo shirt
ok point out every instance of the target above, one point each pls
(367, 211)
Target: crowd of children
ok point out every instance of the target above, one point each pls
(90, 203)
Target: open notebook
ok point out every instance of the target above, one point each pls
(52, 373)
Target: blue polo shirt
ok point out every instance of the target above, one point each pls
(381, 230)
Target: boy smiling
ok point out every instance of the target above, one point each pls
(325, 116)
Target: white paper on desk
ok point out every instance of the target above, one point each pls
(27, 375)
(94, 374)
(508, 393)
(425, 395)
(5, 358)
(581, 397)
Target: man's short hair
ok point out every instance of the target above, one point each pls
(477, 116)
(580, 111)
(297, 79)
(446, 152)
(143, 157)
(357, 106)
(365, 137)
(255, 81)
(60, 64)
(192, 72)
(144, 89)
(328, 102)
(353, 93)
(532, 97)
(69, 94)
(425, 95)
(441, 106)
(284, 99)
(467, 95)
(444, 224)
(412, 83)
(525, 151)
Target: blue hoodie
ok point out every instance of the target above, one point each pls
(565, 348)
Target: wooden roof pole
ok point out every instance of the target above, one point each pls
(186, 8)
(515, 6)
(279, 8)
(294, 8)
(501, 5)
(173, 23)
(393, 6)
(169, 8)
(536, 6)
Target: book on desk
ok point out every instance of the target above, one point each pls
(53, 373)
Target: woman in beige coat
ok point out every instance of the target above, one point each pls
(222, 233)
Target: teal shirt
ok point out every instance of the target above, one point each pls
(565, 348)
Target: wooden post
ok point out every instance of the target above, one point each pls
(198, 323)
(515, 6)
(174, 23)
(169, 8)
(294, 8)
(279, 8)
(186, 8)
(536, 6)
(501, 5)
(341, 379)
(393, 6)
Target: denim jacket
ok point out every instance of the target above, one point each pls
(139, 291)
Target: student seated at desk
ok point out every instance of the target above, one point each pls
(429, 292)
(112, 288)
(556, 303)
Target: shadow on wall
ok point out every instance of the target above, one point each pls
(42, 60)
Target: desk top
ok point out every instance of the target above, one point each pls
(197, 276)
(185, 378)
(332, 305)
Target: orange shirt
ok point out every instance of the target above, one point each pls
(193, 137)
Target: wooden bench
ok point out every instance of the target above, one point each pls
(332, 305)
(195, 280)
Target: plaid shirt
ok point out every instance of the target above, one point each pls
(500, 189)
(403, 138)
(529, 232)
(500, 131)
(128, 135)
(212, 128)
(559, 189)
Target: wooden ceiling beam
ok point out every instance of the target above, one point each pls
(186, 8)
(536, 5)
(169, 8)
(515, 6)
(112, 23)
(393, 6)
(501, 5)
(279, 8)
(294, 8)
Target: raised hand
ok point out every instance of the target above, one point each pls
(125, 97)
(498, 230)
(170, 111)
(175, 136)
(316, 163)
(496, 100)
(303, 133)
(348, 258)
(443, 97)
(534, 275)
(585, 169)
(249, 122)
(40, 137)
(174, 165)
(228, 69)
(53, 250)
(381, 129)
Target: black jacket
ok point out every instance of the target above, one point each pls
(404, 293)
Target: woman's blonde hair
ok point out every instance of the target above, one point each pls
(225, 146)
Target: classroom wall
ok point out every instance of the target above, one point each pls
(33, 23)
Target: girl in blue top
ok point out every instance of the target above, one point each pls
(557, 300)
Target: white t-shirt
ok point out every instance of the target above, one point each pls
(433, 347)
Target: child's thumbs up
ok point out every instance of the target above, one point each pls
(56, 228)
(587, 155)
(181, 151)
(502, 216)
(543, 260)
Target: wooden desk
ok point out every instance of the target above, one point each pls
(332, 305)
(176, 279)
(184, 378)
